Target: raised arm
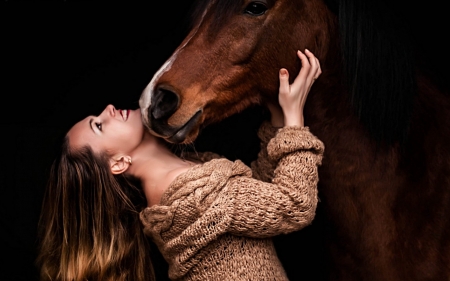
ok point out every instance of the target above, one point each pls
(289, 202)
(292, 99)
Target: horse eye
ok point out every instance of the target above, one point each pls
(255, 9)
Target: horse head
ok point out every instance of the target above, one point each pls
(230, 61)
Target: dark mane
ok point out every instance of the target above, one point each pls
(379, 67)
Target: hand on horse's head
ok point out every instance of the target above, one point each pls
(292, 97)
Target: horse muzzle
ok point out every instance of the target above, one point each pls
(164, 104)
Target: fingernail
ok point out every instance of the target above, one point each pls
(306, 50)
(283, 72)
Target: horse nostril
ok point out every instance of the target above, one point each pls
(164, 103)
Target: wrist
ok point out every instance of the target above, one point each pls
(294, 120)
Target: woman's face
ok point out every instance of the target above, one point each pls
(115, 131)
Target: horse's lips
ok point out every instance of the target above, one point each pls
(181, 134)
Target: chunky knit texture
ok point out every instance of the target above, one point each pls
(215, 221)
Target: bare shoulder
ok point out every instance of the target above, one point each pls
(174, 173)
(157, 188)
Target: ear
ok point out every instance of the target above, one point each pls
(119, 165)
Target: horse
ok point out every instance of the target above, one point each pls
(384, 185)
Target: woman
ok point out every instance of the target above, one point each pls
(211, 218)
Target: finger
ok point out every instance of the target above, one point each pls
(312, 75)
(316, 65)
(284, 82)
(304, 70)
(319, 69)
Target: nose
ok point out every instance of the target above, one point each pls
(110, 110)
(164, 104)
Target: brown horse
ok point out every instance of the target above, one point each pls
(385, 181)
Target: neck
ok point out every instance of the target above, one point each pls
(156, 166)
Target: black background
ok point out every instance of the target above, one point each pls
(64, 60)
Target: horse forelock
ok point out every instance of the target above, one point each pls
(222, 10)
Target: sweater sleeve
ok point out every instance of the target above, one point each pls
(288, 203)
(263, 166)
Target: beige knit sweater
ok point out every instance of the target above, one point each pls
(215, 221)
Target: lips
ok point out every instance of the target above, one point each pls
(124, 113)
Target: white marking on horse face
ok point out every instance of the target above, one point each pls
(146, 96)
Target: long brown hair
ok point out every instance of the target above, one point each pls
(89, 227)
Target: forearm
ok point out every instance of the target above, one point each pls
(289, 202)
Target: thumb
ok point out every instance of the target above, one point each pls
(284, 82)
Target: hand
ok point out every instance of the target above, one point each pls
(292, 97)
